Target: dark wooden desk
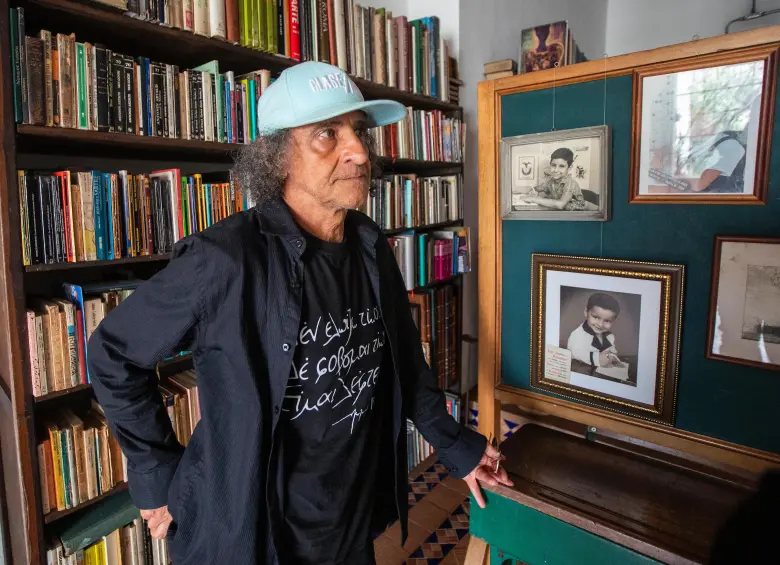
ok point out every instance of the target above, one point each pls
(579, 501)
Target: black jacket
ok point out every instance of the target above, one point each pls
(232, 294)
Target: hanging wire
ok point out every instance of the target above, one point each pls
(555, 70)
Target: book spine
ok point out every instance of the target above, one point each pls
(99, 216)
(232, 20)
(81, 86)
(102, 80)
(20, 38)
(217, 19)
(128, 81)
(117, 93)
(45, 36)
(201, 15)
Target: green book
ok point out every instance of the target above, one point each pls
(81, 84)
(102, 518)
(244, 19)
(17, 67)
(185, 206)
(272, 26)
(258, 25)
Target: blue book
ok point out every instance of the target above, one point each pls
(125, 197)
(75, 294)
(99, 215)
(109, 217)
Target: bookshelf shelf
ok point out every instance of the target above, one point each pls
(429, 227)
(37, 139)
(61, 393)
(52, 517)
(439, 282)
(86, 264)
(109, 25)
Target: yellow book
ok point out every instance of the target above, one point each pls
(259, 25)
(59, 481)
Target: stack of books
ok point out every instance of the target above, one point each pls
(130, 544)
(79, 460)
(500, 69)
(432, 256)
(417, 448)
(409, 201)
(62, 82)
(424, 136)
(180, 397)
(58, 329)
(70, 216)
(367, 42)
(436, 313)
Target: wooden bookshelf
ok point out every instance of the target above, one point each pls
(99, 23)
(59, 514)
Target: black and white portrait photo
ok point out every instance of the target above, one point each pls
(556, 175)
(601, 330)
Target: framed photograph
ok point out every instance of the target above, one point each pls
(744, 320)
(606, 332)
(702, 130)
(559, 175)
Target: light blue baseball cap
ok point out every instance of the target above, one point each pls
(311, 92)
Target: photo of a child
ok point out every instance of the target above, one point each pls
(557, 175)
(601, 330)
(561, 191)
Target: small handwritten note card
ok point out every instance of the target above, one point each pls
(557, 364)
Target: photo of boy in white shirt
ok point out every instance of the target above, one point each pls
(593, 342)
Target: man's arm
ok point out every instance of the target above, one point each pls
(459, 448)
(123, 352)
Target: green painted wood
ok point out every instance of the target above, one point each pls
(715, 398)
(535, 538)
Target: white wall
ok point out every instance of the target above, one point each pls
(638, 25)
(490, 30)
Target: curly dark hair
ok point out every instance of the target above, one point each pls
(261, 167)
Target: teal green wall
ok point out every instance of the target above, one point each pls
(723, 400)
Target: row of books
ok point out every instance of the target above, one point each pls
(78, 460)
(365, 41)
(62, 82)
(436, 313)
(131, 544)
(409, 201)
(417, 448)
(70, 216)
(432, 256)
(59, 328)
(424, 136)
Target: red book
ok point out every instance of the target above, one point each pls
(332, 34)
(295, 31)
(81, 346)
(63, 179)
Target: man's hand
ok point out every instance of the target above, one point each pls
(158, 519)
(485, 471)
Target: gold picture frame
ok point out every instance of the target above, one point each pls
(643, 383)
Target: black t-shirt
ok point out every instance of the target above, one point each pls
(334, 407)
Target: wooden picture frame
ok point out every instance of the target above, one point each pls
(568, 292)
(683, 191)
(729, 336)
(593, 144)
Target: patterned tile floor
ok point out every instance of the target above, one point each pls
(438, 523)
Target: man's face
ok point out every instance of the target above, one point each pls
(600, 319)
(558, 168)
(329, 161)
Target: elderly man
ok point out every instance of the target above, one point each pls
(307, 357)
